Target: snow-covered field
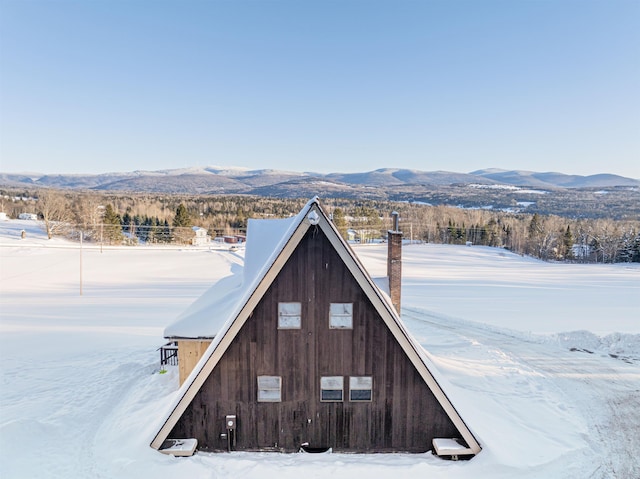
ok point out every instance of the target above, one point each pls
(542, 360)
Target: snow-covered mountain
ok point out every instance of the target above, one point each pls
(596, 196)
(554, 180)
(236, 180)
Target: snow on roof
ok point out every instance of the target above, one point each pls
(382, 282)
(263, 238)
(220, 303)
(209, 312)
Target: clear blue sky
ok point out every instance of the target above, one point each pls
(93, 86)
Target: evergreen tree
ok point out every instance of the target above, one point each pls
(492, 231)
(567, 243)
(629, 250)
(340, 222)
(635, 249)
(535, 228)
(181, 223)
(154, 234)
(143, 230)
(112, 225)
(126, 222)
(534, 245)
(181, 219)
(508, 236)
(163, 233)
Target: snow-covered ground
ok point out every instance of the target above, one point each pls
(542, 360)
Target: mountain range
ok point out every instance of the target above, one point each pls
(233, 180)
(596, 196)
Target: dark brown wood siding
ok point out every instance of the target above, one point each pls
(402, 416)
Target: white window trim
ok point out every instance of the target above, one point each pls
(341, 320)
(269, 384)
(332, 383)
(288, 320)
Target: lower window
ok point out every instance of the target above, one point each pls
(269, 389)
(332, 389)
(360, 388)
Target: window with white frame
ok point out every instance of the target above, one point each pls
(269, 389)
(289, 315)
(360, 388)
(341, 316)
(332, 388)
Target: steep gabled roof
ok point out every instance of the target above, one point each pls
(265, 269)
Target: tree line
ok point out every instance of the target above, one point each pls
(154, 218)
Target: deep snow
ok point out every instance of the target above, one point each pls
(523, 348)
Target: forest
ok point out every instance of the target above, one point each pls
(154, 218)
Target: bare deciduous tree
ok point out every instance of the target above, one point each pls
(89, 212)
(55, 212)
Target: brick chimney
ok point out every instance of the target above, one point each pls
(394, 261)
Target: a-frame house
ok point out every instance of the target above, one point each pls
(311, 353)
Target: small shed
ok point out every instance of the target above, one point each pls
(304, 350)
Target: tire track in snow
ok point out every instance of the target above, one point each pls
(606, 391)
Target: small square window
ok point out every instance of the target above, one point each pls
(269, 389)
(341, 316)
(360, 388)
(332, 388)
(289, 315)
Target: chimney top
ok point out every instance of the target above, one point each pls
(396, 221)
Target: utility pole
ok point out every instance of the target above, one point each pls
(101, 208)
(81, 263)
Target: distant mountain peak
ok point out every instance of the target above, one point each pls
(233, 179)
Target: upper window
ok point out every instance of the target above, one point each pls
(341, 316)
(289, 315)
(360, 388)
(332, 388)
(269, 389)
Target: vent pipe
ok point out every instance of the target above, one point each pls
(394, 261)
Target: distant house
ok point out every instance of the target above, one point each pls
(200, 238)
(232, 239)
(304, 350)
(27, 216)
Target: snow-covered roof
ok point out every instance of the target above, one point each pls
(265, 240)
(208, 313)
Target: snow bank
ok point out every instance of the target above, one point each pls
(82, 393)
(616, 345)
